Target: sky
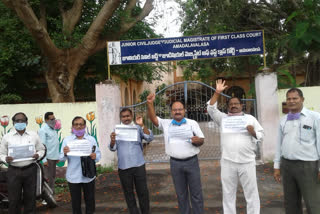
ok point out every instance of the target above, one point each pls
(166, 16)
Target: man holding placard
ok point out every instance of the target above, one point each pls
(182, 137)
(239, 134)
(20, 149)
(127, 141)
(78, 145)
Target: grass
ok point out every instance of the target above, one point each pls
(61, 184)
(103, 169)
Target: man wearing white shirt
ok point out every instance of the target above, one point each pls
(182, 137)
(239, 133)
(298, 154)
(22, 174)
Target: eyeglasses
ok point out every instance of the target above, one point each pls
(176, 110)
(78, 124)
(234, 104)
(20, 121)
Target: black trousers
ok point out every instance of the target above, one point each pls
(135, 176)
(88, 193)
(22, 179)
(300, 180)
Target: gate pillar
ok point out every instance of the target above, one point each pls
(108, 99)
(266, 85)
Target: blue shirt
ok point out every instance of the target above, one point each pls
(130, 153)
(299, 139)
(49, 137)
(74, 171)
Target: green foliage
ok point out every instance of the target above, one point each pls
(19, 58)
(143, 95)
(203, 17)
(292, 32)
(305, 35)
(61, 186)
(104, 170)
(22, 65)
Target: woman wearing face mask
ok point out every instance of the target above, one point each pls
(76, 181)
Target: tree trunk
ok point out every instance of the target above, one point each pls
(60, 76)
(313, 70)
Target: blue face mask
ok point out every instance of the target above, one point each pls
(20, 126)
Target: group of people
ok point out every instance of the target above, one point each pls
(297, 152)
(44, 145)
(297, 155)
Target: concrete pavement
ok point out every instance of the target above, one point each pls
(110, 199)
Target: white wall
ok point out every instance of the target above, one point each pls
(63, 111)
(311, 98)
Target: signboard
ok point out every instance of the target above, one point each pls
(186, 48)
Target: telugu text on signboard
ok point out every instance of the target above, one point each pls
(186, 48)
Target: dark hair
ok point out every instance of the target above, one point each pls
(78, 117)
(14, 116)
(124, 110)
(228, 100)
(177, 101)
(295, 90)
(47, 114)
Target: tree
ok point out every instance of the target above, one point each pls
(292, 32)
(67, 37)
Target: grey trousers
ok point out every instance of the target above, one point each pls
(50, 173)
(300, 179)
(186, 178)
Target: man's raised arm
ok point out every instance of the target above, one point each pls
(220, 87)
(151, 113)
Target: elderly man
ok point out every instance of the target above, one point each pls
(77, 182)
(298, 152)
(131, 164)
(182, 137)
(238, 144)
(49, 137)
(22, 172)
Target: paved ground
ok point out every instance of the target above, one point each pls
(110, 199)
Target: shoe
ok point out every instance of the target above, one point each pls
(44, 202)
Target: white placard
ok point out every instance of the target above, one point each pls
(180, 134)
(233, 124)
(79, 148)
(126, 133)
(21, 152)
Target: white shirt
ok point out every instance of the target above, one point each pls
(237, 147)
(299, 139)
(14, 138)
(178, 138)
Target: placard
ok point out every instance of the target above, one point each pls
(126, 133)
(21, 152)
(234, 124)
(79, 148)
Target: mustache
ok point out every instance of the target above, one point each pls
(234, 108)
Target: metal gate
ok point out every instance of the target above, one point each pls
(195, 95)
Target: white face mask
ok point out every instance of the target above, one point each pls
(20, 126)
